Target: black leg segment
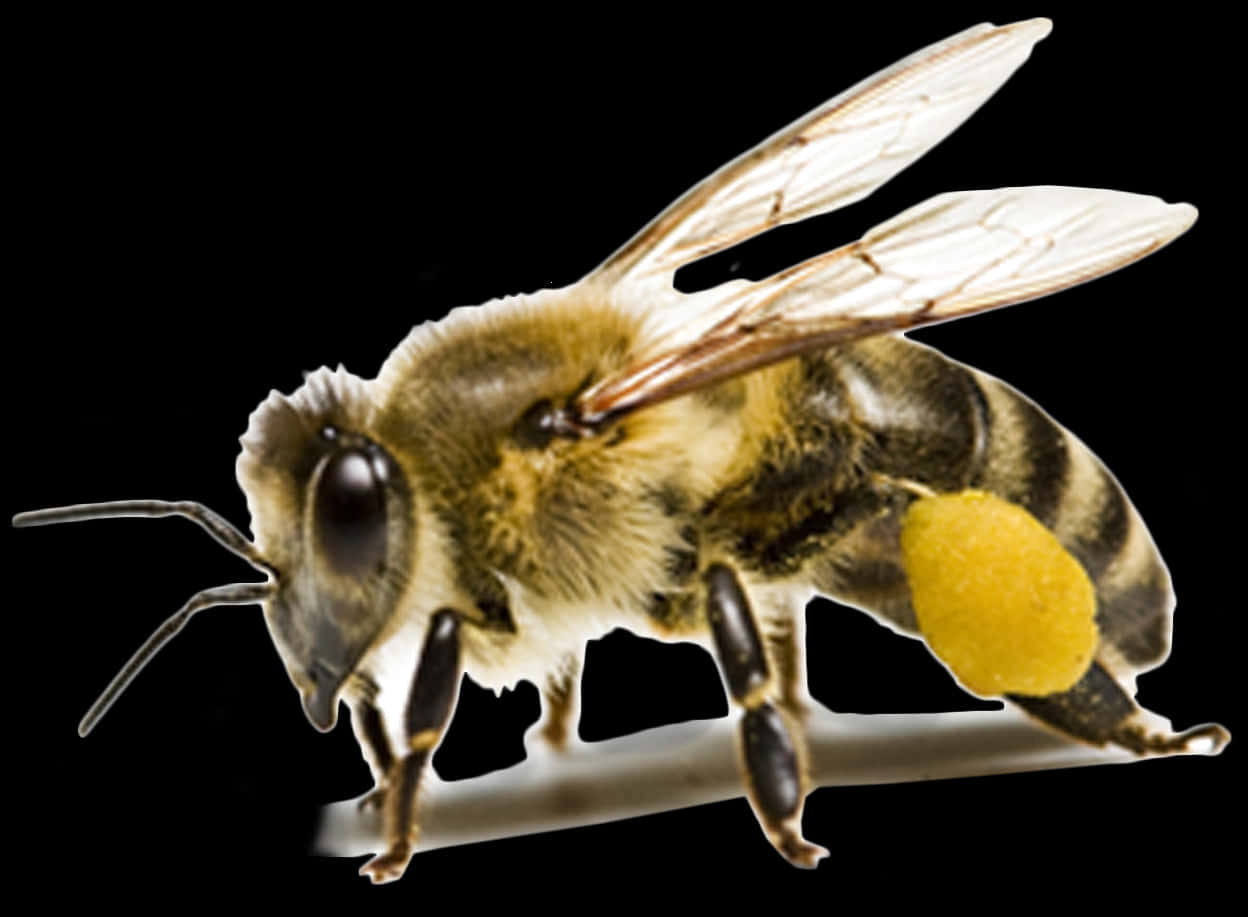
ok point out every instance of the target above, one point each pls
(736, 635)
(770, 753)
(769, 750)
(437, 679)
(1092, 709)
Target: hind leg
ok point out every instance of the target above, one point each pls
(867, 572)
(1099, 711)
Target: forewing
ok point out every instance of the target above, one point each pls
(953, 255)
(837, 154)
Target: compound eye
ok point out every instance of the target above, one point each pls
(350, 512)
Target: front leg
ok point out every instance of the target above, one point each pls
(770, 753)
(370, 735)
(429, 707)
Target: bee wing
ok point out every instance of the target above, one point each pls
(837, 154)
(953, 255)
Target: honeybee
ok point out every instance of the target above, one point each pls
(525, 477)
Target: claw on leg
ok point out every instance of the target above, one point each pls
(388, 866)
(1208, 739)
(788, 840)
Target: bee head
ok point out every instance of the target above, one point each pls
(332, 512)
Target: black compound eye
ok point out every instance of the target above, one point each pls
(350, 512)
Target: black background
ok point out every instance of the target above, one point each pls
(209, 206)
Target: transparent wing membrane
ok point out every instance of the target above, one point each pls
(835, 155)
(953, 255)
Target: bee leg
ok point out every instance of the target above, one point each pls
(1097, 710)
(370, 734)
(561, 700)
(769, 741)
(784, 647)
(429, 707)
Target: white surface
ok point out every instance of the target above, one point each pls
(694, 763)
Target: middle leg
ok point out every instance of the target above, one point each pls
(561, 705)
(770, 747)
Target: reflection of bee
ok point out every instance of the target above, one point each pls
(532, 468)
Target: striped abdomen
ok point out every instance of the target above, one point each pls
(922, 417)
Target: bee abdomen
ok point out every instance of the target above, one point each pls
(930, 420)
(1034, 462)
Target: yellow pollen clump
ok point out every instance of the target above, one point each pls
(1006, 607)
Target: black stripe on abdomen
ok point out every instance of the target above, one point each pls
(1028, 458)
(1099, 524)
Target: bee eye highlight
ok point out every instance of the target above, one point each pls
(350, 512)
